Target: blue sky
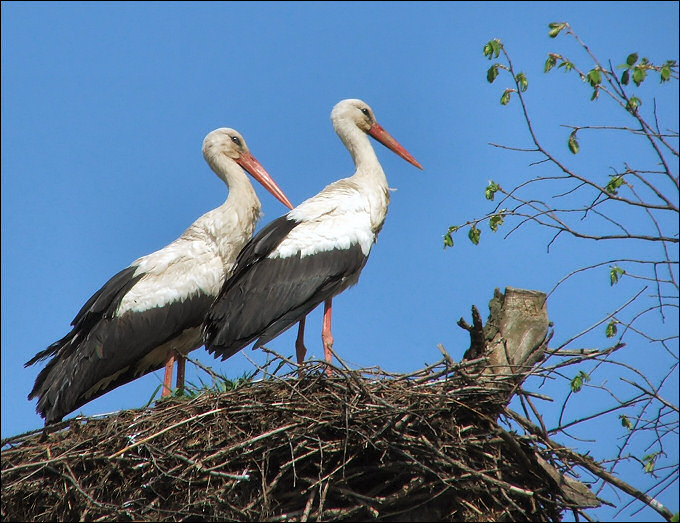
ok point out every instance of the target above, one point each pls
(105, 107)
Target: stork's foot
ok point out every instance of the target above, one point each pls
(167, 379)
(181, 366)
(328, 354)
(300, 349)
(326, 336)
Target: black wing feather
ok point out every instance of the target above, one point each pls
(261, 245)
(103, 302)
(273, 294)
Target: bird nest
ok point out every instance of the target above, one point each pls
(361, 445)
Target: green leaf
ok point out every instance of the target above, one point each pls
(497, 46)
(613, 185)
(492, 48)
(448, 238)
(665, 73)
(625, 422)
(611, 329)
(615, 273)
(555, 28)
(568, 66)
(676, 517)
(487, 50)
(522, 82)
(632, 58)
(650, 461)
(505, 97)
(578, 380)
(491, 190)
(633, 103)
(495, 221)
(474, 234)
(594, 77)
(639, 75)
(550, 62)
(625, 77)
(492, 73)
(573, 143)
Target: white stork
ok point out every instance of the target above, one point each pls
(311, 254)
(153, 310)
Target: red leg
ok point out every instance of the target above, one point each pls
(167, 380)
(300, 349)
(326, 335)
(181, 365)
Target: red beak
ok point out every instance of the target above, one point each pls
(250, 164)
(380, 134)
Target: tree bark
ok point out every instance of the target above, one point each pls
(513, 339)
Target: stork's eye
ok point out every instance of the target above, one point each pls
(365, 111)
(236, 140)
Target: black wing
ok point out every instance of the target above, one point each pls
(105, 350)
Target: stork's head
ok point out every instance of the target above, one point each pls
(356, 111)
(224, 142)
(224, 146)
(353, 111)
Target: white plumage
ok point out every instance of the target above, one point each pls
(336, 218)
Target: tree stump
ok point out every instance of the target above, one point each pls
(514, 337)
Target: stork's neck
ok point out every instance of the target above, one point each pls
(240, 189)
(234, 221)
(368, 168)
(241, 192)
(369, 175)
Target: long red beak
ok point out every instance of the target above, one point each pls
(380, 134)
(250, 164)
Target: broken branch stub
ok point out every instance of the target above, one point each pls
(514, 336)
